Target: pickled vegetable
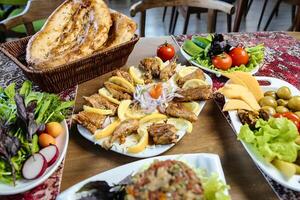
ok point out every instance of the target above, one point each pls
(284, 93)
(268, 101)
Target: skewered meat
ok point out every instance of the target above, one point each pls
(152, 68)
(197, 74)
(97, 101)
(168, 71)
(178, 110)
(124, 75)
(91, 121)
(163, 133)
(199, 93)
(124, 129)
(117, 91)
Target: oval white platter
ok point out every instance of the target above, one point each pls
(218, 74)
(210, 162)
(292, 183)
(25, 185)
(150, 151)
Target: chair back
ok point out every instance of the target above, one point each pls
(211, 5)
(34, 10)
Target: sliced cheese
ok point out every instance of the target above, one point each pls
(236, 104)
(234, 79)
(251, 83)
(234, 91)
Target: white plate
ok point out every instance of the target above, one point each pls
(150, 151)
(218, 74)
(292, 183)
(25, 185)
(209, 162)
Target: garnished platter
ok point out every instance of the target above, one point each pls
(156, 110)
(272, 140)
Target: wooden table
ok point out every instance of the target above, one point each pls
(211, 134)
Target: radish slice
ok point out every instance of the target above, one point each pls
(50, 153)
(35, 166)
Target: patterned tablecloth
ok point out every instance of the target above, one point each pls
(282, 61)
(48, 190)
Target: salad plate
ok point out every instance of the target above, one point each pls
(268, 168)
(204, 161)
(151, 150)
(217, 73)
(25, 185)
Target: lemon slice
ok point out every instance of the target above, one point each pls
(143, 141)
(123, 107)
(122, 82)
(153, 117)
(186, 71)
(106, 94)
(181, 124)
(136, 75)
(193, 107)
(107, 131)
(134, 114)
(193, 83)
(97, 110)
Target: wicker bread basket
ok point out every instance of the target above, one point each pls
(69, 74)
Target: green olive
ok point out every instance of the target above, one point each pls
(268, 101)
(294, 103)
(284, 93)
(297, 113)
(281, 109)
(268, 109)
(270, 93)
(282, 102)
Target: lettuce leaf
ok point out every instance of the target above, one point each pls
(273, 139)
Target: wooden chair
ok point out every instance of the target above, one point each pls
(34, 10)
(295, 18)
(212, 5)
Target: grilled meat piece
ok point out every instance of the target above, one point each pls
(124, 75)
(163, 133)
(197, 74)
(248, 117)
(168, 179)
(91, 121)
(178, 110)
(152, 68)
(117, 91)
(124, 129)
(168, 71)
(97, 101)
(203, 92)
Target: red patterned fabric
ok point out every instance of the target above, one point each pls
(282, 60)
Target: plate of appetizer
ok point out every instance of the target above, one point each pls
(145, 110)
(186, 176)
(267, 121)
(217, 55)
(33, 137)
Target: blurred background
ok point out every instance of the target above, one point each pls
(22, 17)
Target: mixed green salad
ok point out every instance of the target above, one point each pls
(23, 113)
(215, 53)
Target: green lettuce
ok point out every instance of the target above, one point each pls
(273, 139)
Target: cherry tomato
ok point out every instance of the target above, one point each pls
(239, 56)
(222, 61)
(156, 91)
(165, 52)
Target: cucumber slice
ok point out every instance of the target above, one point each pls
(201, 41)
(191, 48)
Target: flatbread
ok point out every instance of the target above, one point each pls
(76, 29)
